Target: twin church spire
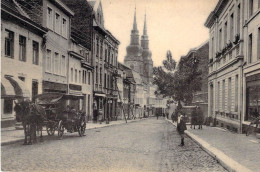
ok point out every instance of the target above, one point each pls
(135, 34)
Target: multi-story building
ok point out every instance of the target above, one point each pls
(56, 17)
(80, 71)
(22, 58)
(200, 56)
(234, 62)
(89, 19)
(251, 69)
(110, 71)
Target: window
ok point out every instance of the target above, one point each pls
(229, 94)
(49, 18)
(236, 93)
(97, 53)
(218, 99)
(112, 59)
(212, 47)
(96, 74)
(258, 44)
(79, 76)
(57, 23)
(101, 76)
(223, 95)
(35, 53)
(89, 78)
(250, 48)
(231, 27)
(238, 19)
(83, 76)
(225, 33)
(251, 7)
(8, 106)
(22, 48)
(63, 65)
(56, 63)
(71, 74)
(108, 60)
(64, 28)
(105, 80)
(220, 39)
(48, 61)
(76, 77)
(106, 55)
(9, 43)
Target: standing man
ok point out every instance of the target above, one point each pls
(181, 127)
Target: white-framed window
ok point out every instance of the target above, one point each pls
(76, 77)
(89, 78)
(35, 53)
(9, 43)
(57, 23)
(64, 27)
(48, 61)
(71, 74)
(22, 48)
(49, 18)
(63, 65)
(56, 63)
(79, 76)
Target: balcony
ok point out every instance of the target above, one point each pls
(228, 56)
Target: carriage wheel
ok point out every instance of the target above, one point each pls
(50, 130)
(60, 129)
(82, 128)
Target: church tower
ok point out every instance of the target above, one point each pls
(147, 55)
(133, 58)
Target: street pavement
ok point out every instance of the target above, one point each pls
(145, 145)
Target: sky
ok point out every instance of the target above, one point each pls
(175, 25)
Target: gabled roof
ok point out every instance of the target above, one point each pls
(11, 10)
(94, 4)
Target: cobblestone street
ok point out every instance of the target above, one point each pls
(147, 145)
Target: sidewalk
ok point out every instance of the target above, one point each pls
(236, 152)
(11, 135)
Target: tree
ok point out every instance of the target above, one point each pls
(178, 82)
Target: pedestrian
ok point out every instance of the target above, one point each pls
(181, 127)
(157, 115)
(200, 117)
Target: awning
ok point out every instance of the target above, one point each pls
(19, 86)
(100, 95)
(7, 90)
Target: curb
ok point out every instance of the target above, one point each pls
(222, 158)
(21, 140)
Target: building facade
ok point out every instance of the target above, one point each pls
(234, 62)
(21, 49)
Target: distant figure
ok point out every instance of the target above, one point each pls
(194, 118)
(181, 127)
(157, 115)
(200, 117)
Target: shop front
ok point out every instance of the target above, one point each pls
(98, 106)
(12, 90)
(252, 97)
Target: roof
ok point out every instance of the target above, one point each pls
(94, 4)
(215, 13)
(11, 10)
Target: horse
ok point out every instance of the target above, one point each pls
(32, 117)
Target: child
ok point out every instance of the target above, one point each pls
(181, 127)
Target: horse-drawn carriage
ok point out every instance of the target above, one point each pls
(55, 111)
(62, 112)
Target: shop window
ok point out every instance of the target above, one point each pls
(9, 43)
(8, 106)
